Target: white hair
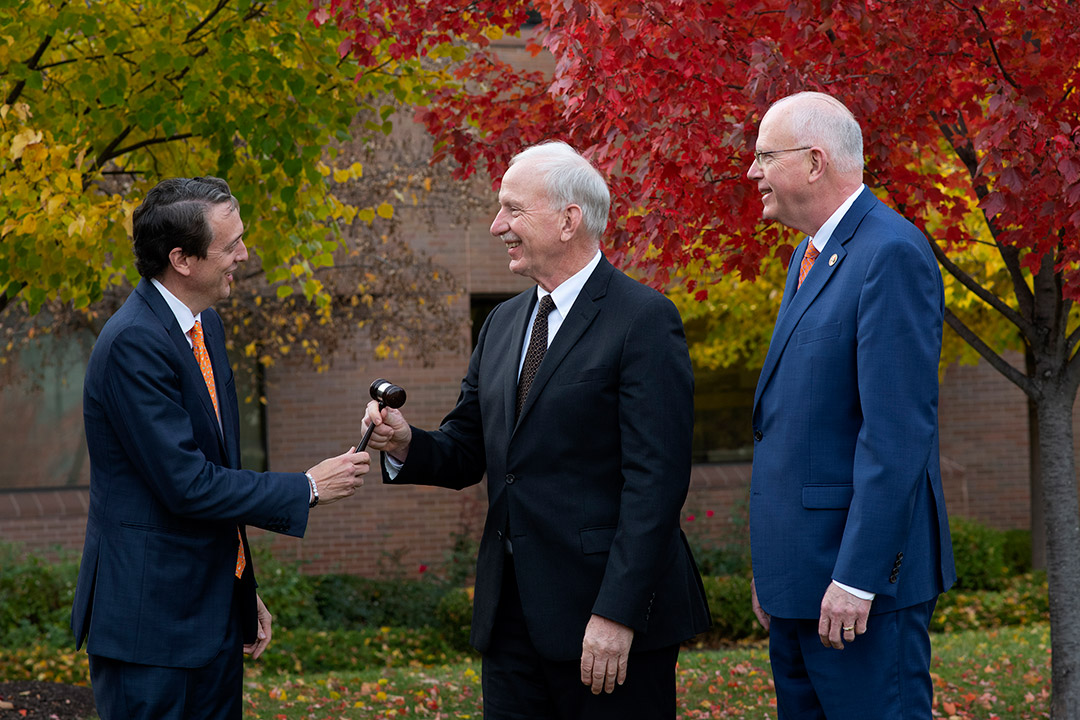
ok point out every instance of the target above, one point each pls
(820, 119)
(570, 179)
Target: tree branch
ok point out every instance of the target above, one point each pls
(993, 49)
(32, 64)
(1018, 378)
(107, 153)
(982, 293)
(193, 31)
(151, 141)
(965, 152)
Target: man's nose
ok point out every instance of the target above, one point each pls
(499, 225)
(243, 256)
(754, 171)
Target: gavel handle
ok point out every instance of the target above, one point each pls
(367, 436)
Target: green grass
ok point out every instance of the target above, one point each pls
(999, 674)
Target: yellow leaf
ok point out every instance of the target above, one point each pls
(21, 140)
(76, 226)
(493, 32)
(386, 210)
(341, 176)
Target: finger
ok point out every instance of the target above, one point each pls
(624, 661)
(586, 668)
(598, 674)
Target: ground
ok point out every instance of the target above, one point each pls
(46, 700)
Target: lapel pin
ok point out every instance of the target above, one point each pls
(832, 260)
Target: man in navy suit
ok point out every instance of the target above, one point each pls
(582, 416)
(849, 536)
(166, 590)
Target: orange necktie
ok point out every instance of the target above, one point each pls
(807, 262)
(198, 346)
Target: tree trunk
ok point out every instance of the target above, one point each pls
(1035, 498)
(1061, 507)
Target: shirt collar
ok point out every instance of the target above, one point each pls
(826, 230)
(565, 295)
(181, 311)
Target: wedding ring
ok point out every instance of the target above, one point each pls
(849, 628)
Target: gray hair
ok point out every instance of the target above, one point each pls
(570, 179)
(820, 119)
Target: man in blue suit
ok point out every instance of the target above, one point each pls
(849, 536)
(578, 404)
(166, 589)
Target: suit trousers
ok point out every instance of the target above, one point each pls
(519, 684)
(130, 691)
(884, 674)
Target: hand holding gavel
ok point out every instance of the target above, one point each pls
(392, 434)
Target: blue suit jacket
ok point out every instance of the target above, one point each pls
(591, 479)
(846, 481)
(156, 581)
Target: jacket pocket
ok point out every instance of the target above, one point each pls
(827, 497)
(590, 375)
(827, 331)
(597, 540)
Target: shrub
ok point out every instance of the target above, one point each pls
(720, 547)
(980, 555)
(1023, 599)
(1018, 551)
(454, 618)
(351, 601)
(729, 603)
(37, 596)
(287, 592)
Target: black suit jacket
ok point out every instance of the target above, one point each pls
(591, 479)
(156, 582)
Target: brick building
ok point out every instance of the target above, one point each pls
(312, 415)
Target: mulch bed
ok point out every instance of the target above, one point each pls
(46, 700)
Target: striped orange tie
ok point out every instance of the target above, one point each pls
(198, 346)
(807, 262)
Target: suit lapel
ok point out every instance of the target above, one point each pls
(797, 301)
(219, 361)
(164, 313)
(581, 316)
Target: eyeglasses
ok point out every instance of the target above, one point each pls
(760, 156)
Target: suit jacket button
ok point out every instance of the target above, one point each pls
(510, 479)
(758, 435)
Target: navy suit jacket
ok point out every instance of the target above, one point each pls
(157, 579)
(591, 479)
(846, 480)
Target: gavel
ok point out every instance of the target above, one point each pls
(388, 395)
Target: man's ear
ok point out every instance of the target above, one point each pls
(819, 160)
(180, 262)
(571, 221)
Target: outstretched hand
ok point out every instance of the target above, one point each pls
(340, 476)
(392, 434)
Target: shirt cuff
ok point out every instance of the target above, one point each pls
(393, 466)
(861, 594)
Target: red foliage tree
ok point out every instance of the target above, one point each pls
(963, 105)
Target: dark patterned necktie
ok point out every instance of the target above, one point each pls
(535, 354)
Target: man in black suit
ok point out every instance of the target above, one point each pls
(585, 584)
